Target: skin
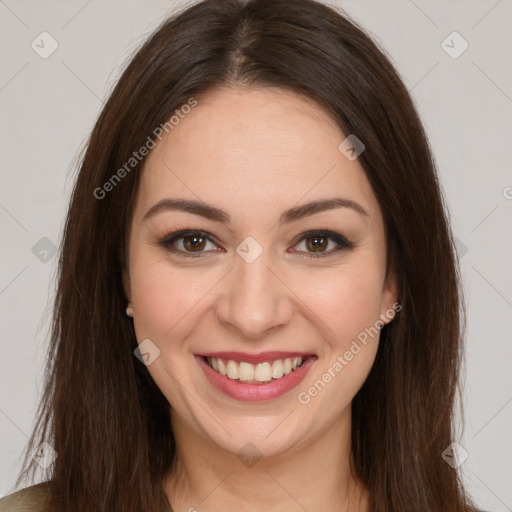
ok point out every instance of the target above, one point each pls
(255, 153)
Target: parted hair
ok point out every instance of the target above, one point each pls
(101, 411)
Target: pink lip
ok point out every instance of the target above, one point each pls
(255, 392)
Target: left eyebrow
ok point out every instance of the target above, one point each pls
(299, 212)
(291, 215)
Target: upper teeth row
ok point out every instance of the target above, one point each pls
(262, 372)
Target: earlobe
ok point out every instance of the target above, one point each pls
(127, 291)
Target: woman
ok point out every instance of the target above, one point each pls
(258, 302)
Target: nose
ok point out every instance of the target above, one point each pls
(255, 299)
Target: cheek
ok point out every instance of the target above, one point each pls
(347, 305)
(162, 296)
(167, 302)
(346, 301)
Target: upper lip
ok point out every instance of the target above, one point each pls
(255, 358)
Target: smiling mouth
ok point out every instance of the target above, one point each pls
(260, 373)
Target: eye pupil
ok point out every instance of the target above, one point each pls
(319, 243)
(194, 242)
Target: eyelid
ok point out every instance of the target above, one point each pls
(167, 241)
(342, 242)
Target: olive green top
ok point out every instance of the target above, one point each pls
(31, 499)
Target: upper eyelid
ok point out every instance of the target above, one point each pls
(176, 235)
(179, 234)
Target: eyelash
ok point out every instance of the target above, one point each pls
(167, 241)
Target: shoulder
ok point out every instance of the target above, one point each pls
(30, 499)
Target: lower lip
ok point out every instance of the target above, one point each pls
(256, 392)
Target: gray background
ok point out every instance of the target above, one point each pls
(49, 105)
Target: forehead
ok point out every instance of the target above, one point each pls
(256, 148)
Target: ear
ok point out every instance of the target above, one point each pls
(389, 303)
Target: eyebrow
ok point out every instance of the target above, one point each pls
(292, 214)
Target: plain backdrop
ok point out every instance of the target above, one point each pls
(48, 107)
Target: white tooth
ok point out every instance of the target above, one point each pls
(277, 369)
(246, 371)
(222, 367)
(262, 372)
(232, 370)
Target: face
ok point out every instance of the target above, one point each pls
(234, 270)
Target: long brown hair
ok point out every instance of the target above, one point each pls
(101, 411)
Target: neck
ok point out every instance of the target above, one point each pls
(314, 476)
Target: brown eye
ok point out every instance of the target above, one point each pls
(194, 243)
(189, 243)
(317, 243)
(200, 243)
